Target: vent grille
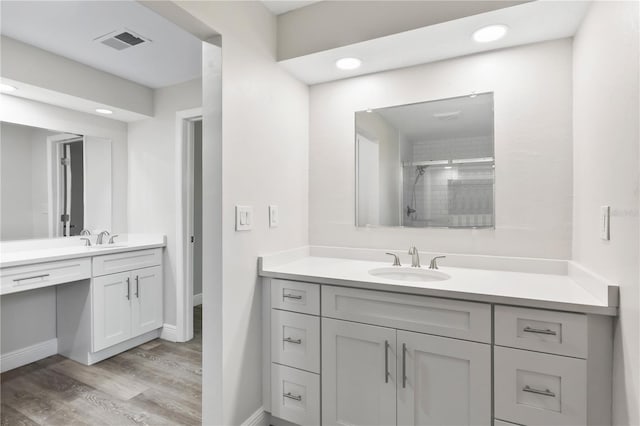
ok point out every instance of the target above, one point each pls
(122, 39)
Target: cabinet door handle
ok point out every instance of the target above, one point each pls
(17, 280)
(292, 396)
(137, 287)
(404, 365)
(128, 288)
(292, 296)
(545, 392)
(386, 361)
(290, 340)
(539, 331)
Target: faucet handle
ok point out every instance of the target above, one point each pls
(396, 259)
(413, 250)
(434, 262)
(87, 241)
(85, 232)
(111, 238)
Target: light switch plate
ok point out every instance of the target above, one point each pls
(244, 218)
(605, 217)
(274, 218)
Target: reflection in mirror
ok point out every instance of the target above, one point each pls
(429, 164)
(53, 184)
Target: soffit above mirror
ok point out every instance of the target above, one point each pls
(528, 23)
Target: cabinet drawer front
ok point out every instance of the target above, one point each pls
(295, 340)
(544, 331)
(128, 261)
(295, 395)
(29, 277)
(536, 388)
(295, 296)
(443, 317)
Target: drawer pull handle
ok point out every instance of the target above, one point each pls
(386, 361)
(545, 392)
(292, 396)
(404, 365)
(290, 340)
(17, 280)
(539, 331)
(128, 288)
(292, 296)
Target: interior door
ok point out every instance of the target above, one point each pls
(358, 374)
(443, 381)
(112, 304)
(147, 304)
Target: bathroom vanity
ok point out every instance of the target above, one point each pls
(345, 346)
(109, 298)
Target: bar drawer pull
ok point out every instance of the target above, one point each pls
(292, 396)
(404, 365)
(386, 361)
(545, 392)
(17, 280)
(292, 296)
(290, 340)
(539, 331)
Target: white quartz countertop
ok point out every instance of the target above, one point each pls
(12, 254)
(546, 291)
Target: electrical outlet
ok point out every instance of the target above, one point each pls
(244, 218)
(605, 217)
(274, 218)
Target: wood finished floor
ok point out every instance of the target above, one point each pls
(158, 383)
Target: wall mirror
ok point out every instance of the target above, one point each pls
(53, 184)
(429, 164)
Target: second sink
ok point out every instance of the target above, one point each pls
(409, 274)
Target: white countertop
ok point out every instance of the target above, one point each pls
(30, 252)
(549, 291)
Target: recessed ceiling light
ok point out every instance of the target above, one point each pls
(348, 63)
(490, 33)
(104, 111)
(7, 88)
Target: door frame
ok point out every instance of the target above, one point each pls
(184, 222)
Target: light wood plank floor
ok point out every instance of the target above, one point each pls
(158, 383)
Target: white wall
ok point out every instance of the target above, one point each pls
(152, 176)
(532, 98)
(265, 160)
(606, 172)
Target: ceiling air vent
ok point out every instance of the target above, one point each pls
(122, 39)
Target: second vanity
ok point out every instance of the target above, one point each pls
(346, 346)
(108, 298)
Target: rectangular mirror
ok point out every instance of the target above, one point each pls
(53, 184)
(428, 164)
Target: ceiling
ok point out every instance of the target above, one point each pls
(68, 28)
(459, 117)
(278, 7)
(532, 22)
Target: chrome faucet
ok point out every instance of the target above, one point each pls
(87, 241)
(396, 259)
(101, 236)
(434, 262)
(85, 232)
(415, 257)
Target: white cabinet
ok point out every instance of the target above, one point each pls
(443, 381)
(126, 305)
(358, 374)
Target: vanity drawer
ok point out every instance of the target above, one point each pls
(533, 388)
(442, 317)
(559, 333)
(295, 296)
(295, 395)
(295, 340)
(127, 261)
(29, 277)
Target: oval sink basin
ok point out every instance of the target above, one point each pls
(409, 274)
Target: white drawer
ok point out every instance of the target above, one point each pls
(127, 261)
(533, 388)
(295, 395)
(443, 317)
(295, 340)
(295, 296)
(544, 331)
(29, 277)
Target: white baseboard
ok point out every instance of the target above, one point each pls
(259, 418)
(197, 299)
(27, 355)
(169, 332)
